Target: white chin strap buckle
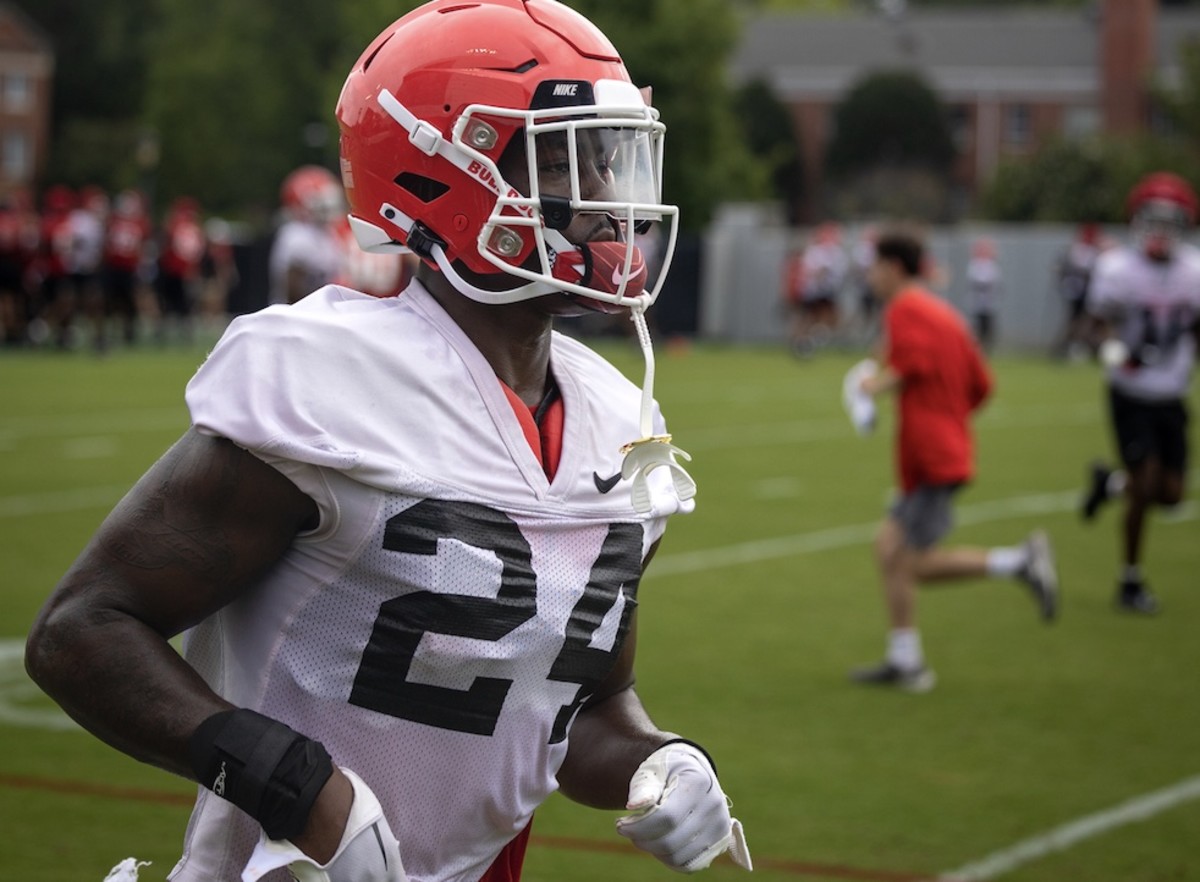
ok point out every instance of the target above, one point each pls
(644, 456)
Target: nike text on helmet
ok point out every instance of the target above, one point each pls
(485, 133)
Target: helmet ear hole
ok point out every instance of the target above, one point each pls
(424, 188)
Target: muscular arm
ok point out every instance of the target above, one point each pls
(198, 530)
(612, 734)
(205, 522)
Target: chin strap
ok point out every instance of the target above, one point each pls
(651, 451)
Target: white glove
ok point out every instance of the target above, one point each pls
(1113, 353)
(860, 406)
(368, 852)
(679, 813)
(126, 871)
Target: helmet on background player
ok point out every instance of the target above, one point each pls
(451, 97)
(312, 193)
(1161, 206)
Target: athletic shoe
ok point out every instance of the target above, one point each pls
(1134, 597)
(887, 674)
(1040, 574)
(1097, 492)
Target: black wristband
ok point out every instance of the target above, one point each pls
(707, 755)
(268, 770)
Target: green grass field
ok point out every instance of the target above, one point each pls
(751, 616)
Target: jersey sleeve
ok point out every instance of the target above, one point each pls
(259, 389)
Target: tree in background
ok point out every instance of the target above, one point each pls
(235, 97)
(892, 149)
(771, 138)
(227, 97)
(99, 86)
(1087, 180)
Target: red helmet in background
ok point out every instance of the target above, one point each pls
(983, 248)
(312, 192)
(1161, 207)
(58, 199)
(429, 110)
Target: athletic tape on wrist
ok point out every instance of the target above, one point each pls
(687, 741)
(268, 770)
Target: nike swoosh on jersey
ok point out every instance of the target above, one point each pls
(605, 484)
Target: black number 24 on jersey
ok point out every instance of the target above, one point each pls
(382, 684)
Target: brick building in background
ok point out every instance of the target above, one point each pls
(26, 82)
(1011, 78)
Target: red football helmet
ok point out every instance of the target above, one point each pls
(475, 134)
(1161, 207)
(312, 192)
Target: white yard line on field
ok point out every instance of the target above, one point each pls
(1061, 838)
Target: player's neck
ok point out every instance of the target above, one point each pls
(514, 338)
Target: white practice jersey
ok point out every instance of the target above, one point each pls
(312, 247)
(1153, 306)
(825, 268)
(983, 285)
(440, 628)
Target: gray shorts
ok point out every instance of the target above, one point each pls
(926, 514)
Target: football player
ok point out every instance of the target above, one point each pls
(306, 252)
(937, 372)
(400, 535)
(1147, 295)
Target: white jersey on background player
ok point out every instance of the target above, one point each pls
(1152, 306)
(306, 252)
(1147, 297)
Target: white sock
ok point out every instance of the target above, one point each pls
(904, 648)
(1007, 561)
(1115, 485)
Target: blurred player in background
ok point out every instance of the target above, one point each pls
(825, 270)
(1147, 297)
(307, 252)
(984, 284)
(86, 258)
(127, 240)
(407, 533)
(934, 367)
(181, 248)
(54, 299)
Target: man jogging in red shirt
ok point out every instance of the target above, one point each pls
(940, 378)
